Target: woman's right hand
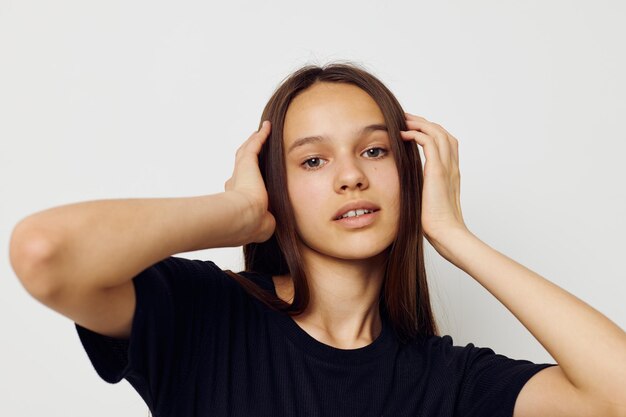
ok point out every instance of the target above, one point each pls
(247, 183)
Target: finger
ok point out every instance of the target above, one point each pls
(454, 145)
(440, 136)
(259, 134)
(453, 141)
(455, 150)
(264, 128)
(428, 144)
(259, 137)
(256, 140)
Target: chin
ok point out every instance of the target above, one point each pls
(354, 251)
(357, 256)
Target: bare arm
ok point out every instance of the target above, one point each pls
(105, 243)
(590, 379)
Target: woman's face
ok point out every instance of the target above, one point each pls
(347, 165)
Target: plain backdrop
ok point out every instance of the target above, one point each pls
(140, 99)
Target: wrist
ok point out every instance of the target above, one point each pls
(247, 214)
(447, 243)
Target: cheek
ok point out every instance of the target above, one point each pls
(307, 196)
(389, 188)
(387, 181)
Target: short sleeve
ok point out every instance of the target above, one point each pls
(489, 383)
(168, 325)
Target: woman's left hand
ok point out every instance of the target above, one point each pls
(441, 203)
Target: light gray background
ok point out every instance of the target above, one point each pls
(124, 99)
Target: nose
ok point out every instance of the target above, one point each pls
(350, 176)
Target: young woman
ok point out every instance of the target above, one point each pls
(331, 316)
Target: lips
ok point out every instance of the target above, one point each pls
(355, 205)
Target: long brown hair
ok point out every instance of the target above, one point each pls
(404, 297)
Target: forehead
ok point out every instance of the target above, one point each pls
(325, 108)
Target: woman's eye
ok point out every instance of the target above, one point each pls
(316, 163)
(376, 152)
(308, 163)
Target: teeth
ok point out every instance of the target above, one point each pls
(354, 213)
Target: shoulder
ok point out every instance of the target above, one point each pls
(179, 279)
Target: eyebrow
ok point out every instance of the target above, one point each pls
(313, 139)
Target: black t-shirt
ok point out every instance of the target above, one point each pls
(202, 346)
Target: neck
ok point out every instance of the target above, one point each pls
(343, 309)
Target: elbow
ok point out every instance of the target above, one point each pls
(31, 252)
